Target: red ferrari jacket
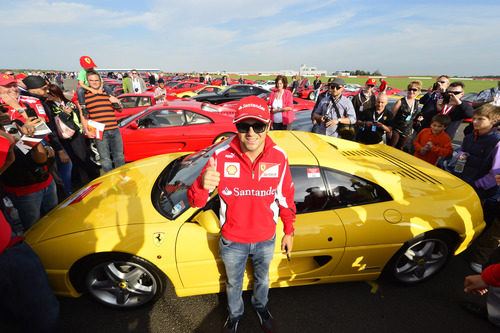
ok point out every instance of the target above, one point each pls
(27, 101)
(491, 275)
(441, 145)
(252, 195)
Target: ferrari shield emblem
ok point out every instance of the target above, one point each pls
(87, 60)
(158, 238)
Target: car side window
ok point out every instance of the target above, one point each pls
(162, 118)
(238, 90)
(310, 191)
(196, 118)
(349, 190)
(144, 101)
(129, 102)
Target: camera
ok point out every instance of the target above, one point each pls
(446, 98)
(435, 86)
(326, 119)
(12, 130)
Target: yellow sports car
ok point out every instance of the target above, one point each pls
(361, 210)
(204, 90)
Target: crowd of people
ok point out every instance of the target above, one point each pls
(35, 181)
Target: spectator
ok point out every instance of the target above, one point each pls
(248, 223)
(61, 170)
(87, 65)
(76, 146)
(491, 96)
(225, 81)
(317, 86)
(452, 106)
(405, 113)
(160, 92)
(201, 78)
(27, 300)
(208, 79)
(334, 111)
(280, 103)
(126, 84)
(28, 182)
(365, 99)
(431, 97)
(100, 109)
(295, 85)
(432, 143)
(20, 84)
(374, 122)
(152, 79)
(241, 80)
(137, 84)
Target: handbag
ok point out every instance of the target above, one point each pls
(63, 130)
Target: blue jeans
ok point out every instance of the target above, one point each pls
(27, 299)
(234, 255)
(65, 172)
(110, 150)
(30, 205)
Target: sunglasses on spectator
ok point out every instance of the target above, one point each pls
(413, 89)
(135, 73)
(454, 92)
(10, 74)
(370, 85)
(245, 127)
(336, 87)
(441, 82)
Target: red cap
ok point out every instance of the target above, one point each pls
(372, 82)
(6, 79)
(21, 76)
(252, 107)
(87, 62)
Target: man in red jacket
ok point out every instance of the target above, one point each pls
(255, 186)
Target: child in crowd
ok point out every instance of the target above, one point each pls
(433, 142)
(88, 65)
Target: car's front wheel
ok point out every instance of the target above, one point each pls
(312, 95)
(123, 281)
(421, 257)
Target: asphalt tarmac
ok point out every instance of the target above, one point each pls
(378, 306)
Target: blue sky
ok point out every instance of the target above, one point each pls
(396, 37)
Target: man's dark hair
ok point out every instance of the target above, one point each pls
(442, 119)
(457, 84)
(89, 73)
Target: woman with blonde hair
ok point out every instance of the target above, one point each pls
(405, 113)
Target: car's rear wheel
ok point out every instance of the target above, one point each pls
(123, 281)
(421, 257)
(223, 136)
(312, 95)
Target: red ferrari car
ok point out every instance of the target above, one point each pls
(174, 127)
(299, 104)
(184, 86)
(134, 103)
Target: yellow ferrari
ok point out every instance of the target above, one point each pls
(361, 211)
(203, 90)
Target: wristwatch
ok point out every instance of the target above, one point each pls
(21, 110)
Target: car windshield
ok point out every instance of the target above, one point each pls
(129, 119)
(170, 191)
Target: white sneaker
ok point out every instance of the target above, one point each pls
(476, 267)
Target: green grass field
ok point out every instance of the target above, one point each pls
(400, 83)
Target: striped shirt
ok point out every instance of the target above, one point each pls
(100, 109)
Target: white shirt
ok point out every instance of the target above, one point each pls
(278, 104)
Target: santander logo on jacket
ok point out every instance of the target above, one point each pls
(252, 195)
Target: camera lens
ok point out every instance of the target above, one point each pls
(12, 130)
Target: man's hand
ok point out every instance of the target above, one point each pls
(50, 151)
(287, 244)
(454, 100)
(63, 156)
(211, 178)
(29, 126)
(497, 178)
(474, 284)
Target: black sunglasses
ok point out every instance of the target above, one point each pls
(245, 127)
(454, 92)
(370, 85)
(335, 87)
(441, 82)
(413, 89)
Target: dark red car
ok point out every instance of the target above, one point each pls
(175, 127)
(184, 86)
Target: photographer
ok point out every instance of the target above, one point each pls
(335, 114)
(451, 105)
(430, 98)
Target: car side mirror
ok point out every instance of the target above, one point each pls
(208, 220)
(134, 125)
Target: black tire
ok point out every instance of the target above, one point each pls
(222, 137)
(421, 258)
(121, 280)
